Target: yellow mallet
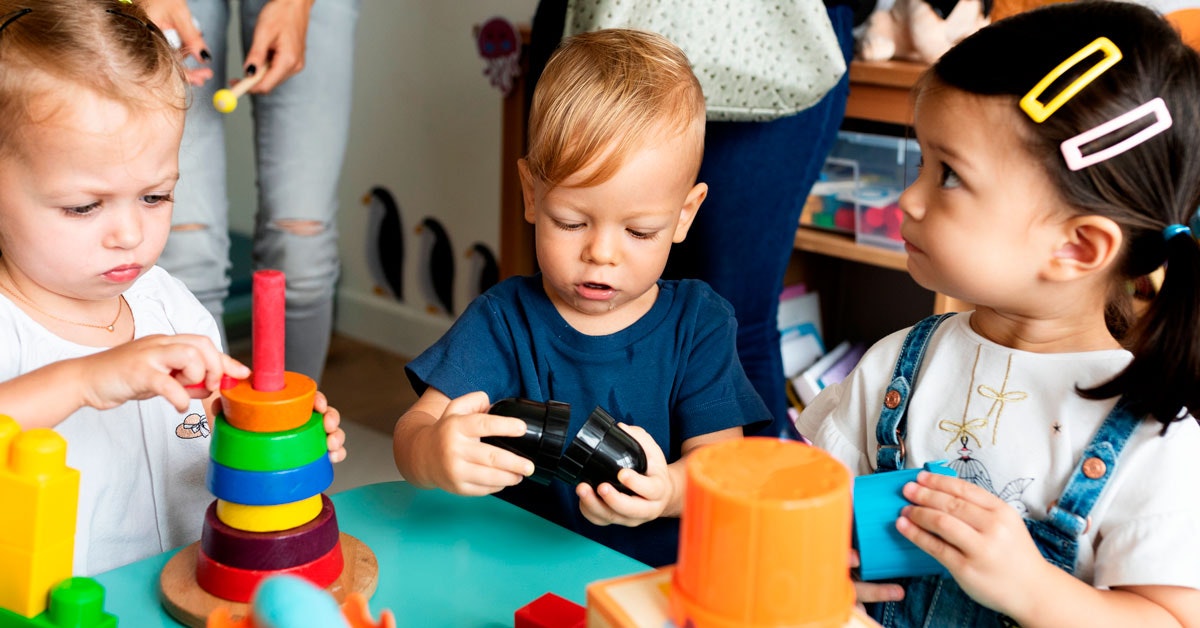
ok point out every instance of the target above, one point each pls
(225, 100)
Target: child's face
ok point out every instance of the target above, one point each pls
(602, 248)
(979, 220)
(85, 197)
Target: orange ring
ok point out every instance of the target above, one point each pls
(237, 585)
(270, 411)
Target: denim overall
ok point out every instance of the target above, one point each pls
(937, 600)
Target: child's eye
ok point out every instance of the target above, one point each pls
(643, 235)
(155, 199)
(949, 177)
(568, 226)
(81, 210)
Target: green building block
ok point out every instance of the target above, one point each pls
(74, 603)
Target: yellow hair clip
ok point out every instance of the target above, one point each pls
(125, 1)
(1039, 112)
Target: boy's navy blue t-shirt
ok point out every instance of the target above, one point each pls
(674, 373)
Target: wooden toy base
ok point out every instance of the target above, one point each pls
(184, 600)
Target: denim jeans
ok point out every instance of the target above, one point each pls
(300, 133)
(759, 175)
(938, 600)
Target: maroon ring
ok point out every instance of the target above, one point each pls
(269, 550)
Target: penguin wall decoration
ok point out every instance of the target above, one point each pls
(436, 267)
(484, 271)
(385, 242)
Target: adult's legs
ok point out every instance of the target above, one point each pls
(759, 175)
(301, 129)
(197, 250)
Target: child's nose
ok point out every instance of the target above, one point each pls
(125, 232)
(911, 202)
(601, 249)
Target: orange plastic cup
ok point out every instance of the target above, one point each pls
(764, 538)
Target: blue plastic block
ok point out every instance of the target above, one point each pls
(884, 553)
(269, 488)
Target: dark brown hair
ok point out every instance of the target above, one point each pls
(1143, 190)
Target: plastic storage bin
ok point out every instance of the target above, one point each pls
(860, 185)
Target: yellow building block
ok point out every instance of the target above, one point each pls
(40, 496)
(27, 577)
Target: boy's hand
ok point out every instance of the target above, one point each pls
(980, 539)
(157, 366)
(655, 491)
(336, 441)
(451, 456)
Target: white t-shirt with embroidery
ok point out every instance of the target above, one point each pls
(1011, 422)
(142, 464)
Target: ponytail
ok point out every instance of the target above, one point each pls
(1164, 377)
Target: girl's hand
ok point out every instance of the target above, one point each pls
(978, 537)
(655, 490)
(868, 592)
(336, 441)
(279, 42)
(175, 15)
(157, 366)
(452, 457)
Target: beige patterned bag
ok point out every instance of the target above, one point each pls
(755, 60)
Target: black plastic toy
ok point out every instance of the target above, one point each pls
(545, 433)
(595, 455)
(599, 452)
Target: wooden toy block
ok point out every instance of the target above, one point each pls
(269, 550)
(550, 611)
(270, 411)
(266, 488)
(642, 601)
(269, 518)
(74, 603)
(37, 524)
(237, 585)
(268, 451)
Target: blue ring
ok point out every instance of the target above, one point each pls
(269, 488)
(1173, 230)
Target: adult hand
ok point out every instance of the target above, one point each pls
(279, 40)
(175, 15)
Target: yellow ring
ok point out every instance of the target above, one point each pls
(1039, 112)
(269, 518)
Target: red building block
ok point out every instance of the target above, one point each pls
(550, 611)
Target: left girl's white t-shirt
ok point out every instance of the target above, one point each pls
(142, 464)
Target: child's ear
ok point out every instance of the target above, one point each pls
(687, 213)
(1089, 244)
(526, 190)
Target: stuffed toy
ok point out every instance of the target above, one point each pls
(919, 30)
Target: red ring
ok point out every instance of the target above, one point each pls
(237, 585)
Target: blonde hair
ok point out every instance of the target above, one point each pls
(614, 88)
(105, 46)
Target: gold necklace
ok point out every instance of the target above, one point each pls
(111, 327)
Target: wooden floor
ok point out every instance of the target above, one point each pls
(366, 384)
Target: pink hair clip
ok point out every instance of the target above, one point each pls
(1072, 148)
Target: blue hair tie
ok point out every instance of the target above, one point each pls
(1173, 230)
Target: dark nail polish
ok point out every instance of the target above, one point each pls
(251, 69)
(204, 55)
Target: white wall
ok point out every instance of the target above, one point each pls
(426, 125)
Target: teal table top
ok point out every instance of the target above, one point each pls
(444, 560)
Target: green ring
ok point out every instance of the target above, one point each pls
(268, 451)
